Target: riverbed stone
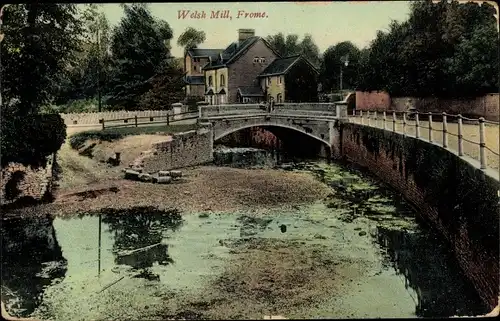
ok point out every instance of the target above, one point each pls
(164, 180)
(145, 177)
(175, 174)
(163, 173)
(131, 174)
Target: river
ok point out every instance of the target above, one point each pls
(359, 253)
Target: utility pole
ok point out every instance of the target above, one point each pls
(2, 7)
(98, 70)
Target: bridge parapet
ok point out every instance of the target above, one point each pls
(299, 109)
(236, 109)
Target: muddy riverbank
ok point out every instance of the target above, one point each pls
(307, 241)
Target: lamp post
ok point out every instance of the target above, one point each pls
(344, 61)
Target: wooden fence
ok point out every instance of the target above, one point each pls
(137, 121)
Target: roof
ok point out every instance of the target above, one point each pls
(250, 91)
(234, 51)
(200, 52)
(210, 92)
(281, 66)
(195, 80)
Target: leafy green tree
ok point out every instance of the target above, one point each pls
(166, 87)
(290, 45)
(39, 43)
(332, 62)
(443, 49)
(310, 50)
(139, 45)
(191, 38)
(93, 62)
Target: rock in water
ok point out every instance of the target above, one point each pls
(131, 174)
(163, 173)
(175, 174)
(145, 177)
(283, 228)
(164, 180)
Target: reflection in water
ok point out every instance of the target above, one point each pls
(138, 235)
(430, 268)
(31, 260)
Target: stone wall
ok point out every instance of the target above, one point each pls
(451, 193)
(35, 183)
(373, 100)
(486, 106)
(183, 150)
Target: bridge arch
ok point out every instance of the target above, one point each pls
(218, 136)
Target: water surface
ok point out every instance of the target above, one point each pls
(61, 269)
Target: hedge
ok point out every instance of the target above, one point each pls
(30, 139)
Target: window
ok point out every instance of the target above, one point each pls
(194, 68)
(256, 59)
(280, 79)
(262, 60)
(245, 99)
(222, 81)
(196, 59)
(210, 80)
(268, 81)
(279, 98)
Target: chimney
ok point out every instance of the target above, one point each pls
(244, 34)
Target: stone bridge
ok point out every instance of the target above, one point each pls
(317, 120)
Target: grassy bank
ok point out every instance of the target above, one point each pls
(114, 134)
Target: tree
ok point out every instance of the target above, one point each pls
(332, 63)
(139, 44)
(93, 62)
(310, 50)
(443, 49)
(290, 46)
(191, 38)
(39, 43)
(166, 87)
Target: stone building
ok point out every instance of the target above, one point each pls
(249, 70)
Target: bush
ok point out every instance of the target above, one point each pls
(30, 139)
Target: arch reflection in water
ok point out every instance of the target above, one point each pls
(31, 260)
(430, 268)
(139, 234)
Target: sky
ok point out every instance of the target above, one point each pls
(327, 22)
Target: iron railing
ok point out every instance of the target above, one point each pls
(449, 126)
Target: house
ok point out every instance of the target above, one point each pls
(194, 60)
(290, 79)
(250, 70)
